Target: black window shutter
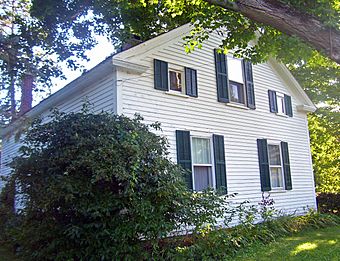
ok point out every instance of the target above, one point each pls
(286, 165)
(272, 101)
(221, 77)
(191, 82)
(161, 75)
(264, 164)
(288, 105)
(184, 154)
(220, 165)
(249, 83)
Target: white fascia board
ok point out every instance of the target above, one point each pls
(292, 82)
(154, 43)
(85, 80)
(305, 108)
(129, 66)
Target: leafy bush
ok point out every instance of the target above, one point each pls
(92, 184)
(6, 210)
(329, 203)
(101, 187)
(224, 244)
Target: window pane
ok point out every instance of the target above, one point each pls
(276, 177)
(202, 177)
(274, 155)
(175, 80)
(201, 151)
(235, 70)
(280, 104)
(236, 92)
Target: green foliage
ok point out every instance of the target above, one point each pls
(148, 18)
(7, 215)
(329, 203)
(91, 186)
(224, 244)
(320, 78)
(312, 244)
(324, 138)
(102, 187)
(27, 46)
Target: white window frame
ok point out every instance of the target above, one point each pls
(276, 143)
(280, 97)
(178, 69)
(212, 164)
(240, 83)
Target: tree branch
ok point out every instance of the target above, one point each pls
(289, 21)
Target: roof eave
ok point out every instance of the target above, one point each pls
(84, 80)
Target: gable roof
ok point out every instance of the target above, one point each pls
(128, 59)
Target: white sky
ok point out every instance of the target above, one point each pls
(103, 49)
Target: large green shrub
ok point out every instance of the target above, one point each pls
(100, 187)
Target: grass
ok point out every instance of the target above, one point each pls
(6, 254)
(318, 245)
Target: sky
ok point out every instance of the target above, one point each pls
(101, 51)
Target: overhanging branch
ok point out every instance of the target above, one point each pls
(289, 21)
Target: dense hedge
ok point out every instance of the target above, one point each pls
(329, 203)
(101, 187)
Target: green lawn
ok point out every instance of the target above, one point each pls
(318, 245)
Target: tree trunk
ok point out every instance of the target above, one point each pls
(289, 21)
(13, 104)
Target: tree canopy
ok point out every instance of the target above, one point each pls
(37, 34)
(245, 19)
(304, 34)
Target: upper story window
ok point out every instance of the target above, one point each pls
(280, 103)
(234, 79)
(176, 79)
(171, 77)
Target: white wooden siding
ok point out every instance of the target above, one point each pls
(240, 127)
(101, 95)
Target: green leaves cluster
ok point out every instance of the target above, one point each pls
(101, 187)
(325, 138)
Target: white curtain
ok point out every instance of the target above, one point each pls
(201, 151)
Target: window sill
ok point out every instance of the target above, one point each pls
(281, 115)
(174, 93)
(236, 105)
(278, 191)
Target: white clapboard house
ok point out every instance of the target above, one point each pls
(234, 125)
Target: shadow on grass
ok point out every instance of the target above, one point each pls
(318, 245)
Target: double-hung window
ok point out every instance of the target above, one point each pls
(202, 163)
(280, 103)
(203, 158)
(275, 166)
(236, 80)
(175, 79)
